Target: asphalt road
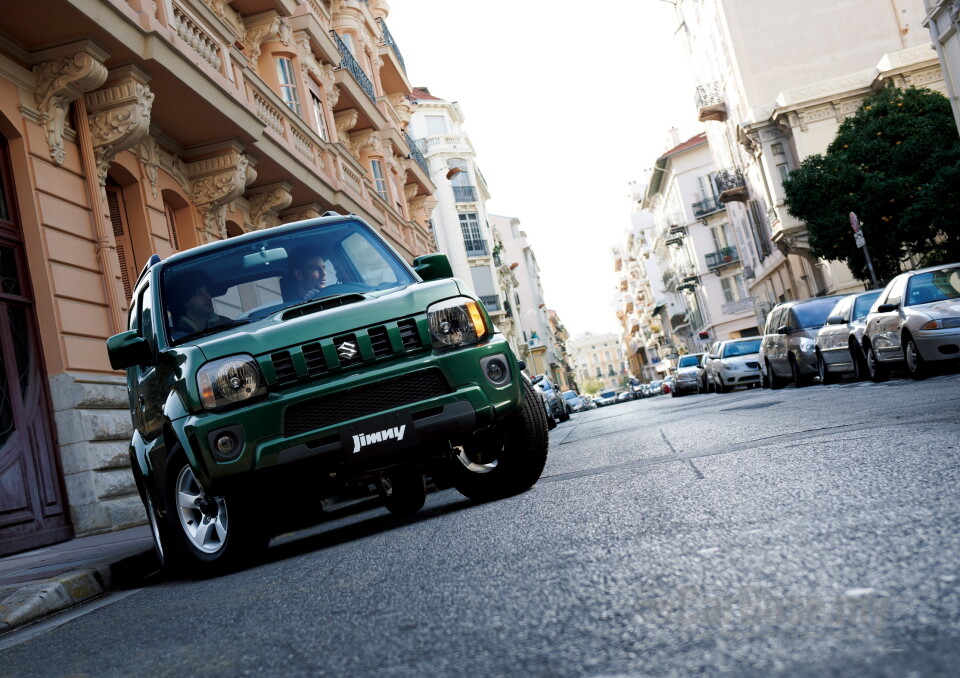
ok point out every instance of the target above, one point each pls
(793, 532)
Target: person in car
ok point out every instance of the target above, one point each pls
(193, 304)
(309, 273)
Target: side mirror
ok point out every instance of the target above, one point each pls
(887, 308)
(835, 320)
(784, 329)
(127, 349)
(714, 356)
(433, 267)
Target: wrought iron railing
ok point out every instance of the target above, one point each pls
(415, 153)
(708, 206)
(709, 95)
(723, 256)
(387, 39)
(347, 61)
(465, 193)
(728, 179)
(492, 302)
(476, 248)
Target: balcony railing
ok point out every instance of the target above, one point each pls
(731, 185)
(708, 206)
(492, 302)
(710, 102)
(735, 307)
(415, 151)
(347, 61)
(387, 39)
(722, 257)
(465, 193)
(476, 248)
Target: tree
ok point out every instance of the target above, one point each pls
(896, 163)
(591, 386)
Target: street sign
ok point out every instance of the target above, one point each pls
(855, 224)
(858, 237)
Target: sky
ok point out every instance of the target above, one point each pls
(565, 104)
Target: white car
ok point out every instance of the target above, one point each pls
(838, 342)
(735, 363)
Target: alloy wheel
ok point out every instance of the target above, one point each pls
(204, 519)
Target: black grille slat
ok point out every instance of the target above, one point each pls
(380, 341)
(283, 367)
(409, 335)
(363, 401)
(316, 363)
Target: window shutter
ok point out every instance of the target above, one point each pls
(171, 226)
(122, 239)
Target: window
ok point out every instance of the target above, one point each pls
(436, 125)
(379, 183)
(784, 171)
(472, 238)
(395, 187)
(348, 41)
(728, 293)
(777, 149)
(288, 85)
(319, 117)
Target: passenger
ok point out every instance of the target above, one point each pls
(307, 269)
(192, 304)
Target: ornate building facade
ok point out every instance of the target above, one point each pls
(134, 127)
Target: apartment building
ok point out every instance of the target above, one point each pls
(943, 21)
(133, 127)
(599, 356)
(768, 103)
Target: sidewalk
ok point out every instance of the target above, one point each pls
(41, 582)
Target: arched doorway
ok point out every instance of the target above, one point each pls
(32, 506)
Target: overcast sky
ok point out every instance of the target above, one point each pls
(565, 104)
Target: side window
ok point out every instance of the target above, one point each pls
(133, 322)
(145, 316)
(895, 295)
(843, 310)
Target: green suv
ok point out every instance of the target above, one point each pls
(274, 370)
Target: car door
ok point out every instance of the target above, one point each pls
(832, 339)
(884, 328)
(149, 396)
(777, 353)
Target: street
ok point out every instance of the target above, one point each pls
(795, 532)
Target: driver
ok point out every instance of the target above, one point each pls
(307, 268)
(192, 304)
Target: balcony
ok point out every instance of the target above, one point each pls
(707, 207)
(465, 193)
(349, 63)
(675, 235)
(710, 104)
(491, 302)
(731, 185)
(722, 257)
(387, 39)
(737, 307)
(415, 152)
(477, 248)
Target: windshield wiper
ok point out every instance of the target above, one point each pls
(211, 330)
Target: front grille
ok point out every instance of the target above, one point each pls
(409, 336)
(348, 350)
(313, 354)
(283, 366)
(363, 401)
(380, 341)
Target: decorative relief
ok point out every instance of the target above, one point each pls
(410, 192)
(59, 83)
(345, 120)
(403, 108)
(824, 112)
(150, 159)
(267, 203)
(302, 213)
(215, 182)
(924, 77)
(261, 31)
(119, 117)
(365, 140)
(197, 38)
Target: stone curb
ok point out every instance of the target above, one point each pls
(29, 602)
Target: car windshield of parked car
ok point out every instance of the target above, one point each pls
(256, 277)
(813, 314)
(735, 348)
(925, 288)
(862, 306)
(689, 361)
(570, 395)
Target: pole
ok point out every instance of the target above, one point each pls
(862, 244)
(873, 276)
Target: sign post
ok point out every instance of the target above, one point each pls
(862, 244)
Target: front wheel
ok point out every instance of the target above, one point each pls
(799, 380)
(505, 459)
(773, 380)
(826, 376)
(860, 370)
(916, 365)
(878, 371)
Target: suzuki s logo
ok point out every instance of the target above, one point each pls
(347, 350)
(364, 439)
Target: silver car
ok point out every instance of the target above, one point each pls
(687, 375)
(736, 362)
(838, 342)
(787, 351)
(915, 321)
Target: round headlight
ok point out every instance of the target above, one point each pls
(229, 380)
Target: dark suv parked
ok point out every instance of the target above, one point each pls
(273, 370)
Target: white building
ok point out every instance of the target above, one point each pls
(943, 20)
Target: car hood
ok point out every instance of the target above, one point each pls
(948, 308)
(738, 359)
(273, 333)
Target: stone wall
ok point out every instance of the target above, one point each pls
(93, 430)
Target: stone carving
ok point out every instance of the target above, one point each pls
(215, 182)
(267, 202)
(365, 140)
(303, 212)
(345, 120)
(260, 31)
(119, 116)
(150, 159)
(59, 83)
(403, 108)
(410, 191)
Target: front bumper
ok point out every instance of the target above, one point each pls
(938, 344)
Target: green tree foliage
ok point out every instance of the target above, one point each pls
(896, 163)
(590, 386)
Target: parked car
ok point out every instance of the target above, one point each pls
(915, 321)
(838, 343)
(604, 398)
(588, 403)
(687, 375)
(655, 387)
(787, 352)
(551, 422)
(624, 396)
(558, 409)
(256, 399)
(732, 363)
(668, 385)
(573, 401)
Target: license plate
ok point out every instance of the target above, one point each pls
(378, 435)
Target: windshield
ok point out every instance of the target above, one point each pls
(256, 278)
(607, 394)
(689, 361)
(813, 313)
(570, 395)
(925, 288)
(735, 348)
(862, 306)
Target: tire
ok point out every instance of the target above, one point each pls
(162, 543)
(723, 388)
(916, 365)
(799, 380)
(403, 490)
(551, 422)
(826, 376)
(564, 416)
(216, 537)
(773, 380)
(506, 459)
(860, 370)
(878, 371)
